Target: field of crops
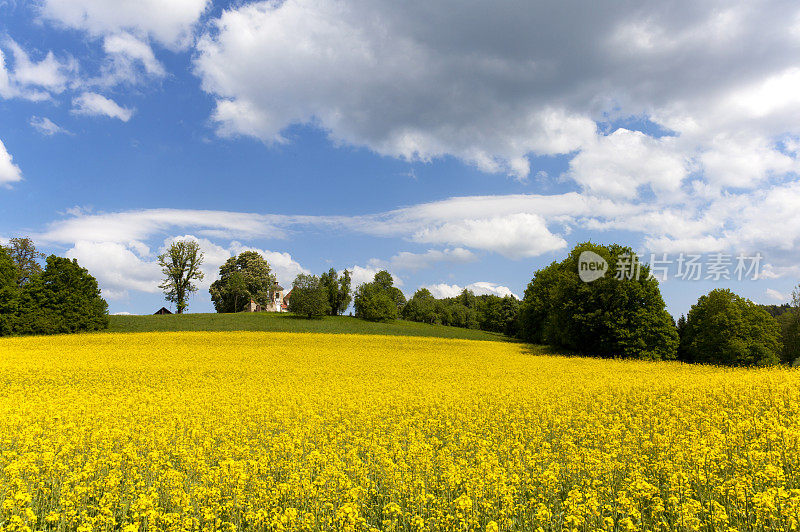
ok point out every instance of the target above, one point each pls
(278, 431)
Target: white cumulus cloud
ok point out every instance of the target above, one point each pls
(117, 268)
(493, 87)
(406, 260)
(360, 71)
(93, 104)
(34, 80)
(47, 127)
(129, 59)
(621, 163)
(514, 235)
(9, 172)
(444, 290)
(776, 295)
(170, 23)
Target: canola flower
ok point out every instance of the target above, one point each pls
(276, 431)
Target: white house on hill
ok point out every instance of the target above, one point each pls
(279, 301)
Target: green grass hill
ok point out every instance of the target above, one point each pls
(274, 322)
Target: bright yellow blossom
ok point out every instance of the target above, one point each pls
(306, 432)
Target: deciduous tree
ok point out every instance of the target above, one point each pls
(242, 278)
(790, 330)
(379, 300)
(65, 298)
(724, 328)
(421, 307)
(612, 316)
(9, 292)
(338, 289)
(309, 297)
(24, 254)
(181, 267)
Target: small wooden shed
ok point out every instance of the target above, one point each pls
(162, 310)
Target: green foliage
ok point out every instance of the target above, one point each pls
(789, 320)
(724, 328)
(398, 298)
(373, 303)
(338, 290)
(63, 299)
(457, 314)
(9, 292)
(242, 278)
(790, 335)
(467, 298)
(180, 265)
(237, 291)
(609, 317)
(309, 297)
(681, 327)
(498, 314)
(468, 311)
(26, 258)
(776, 310)
(379, 300)
(421, 307)
(383, 279)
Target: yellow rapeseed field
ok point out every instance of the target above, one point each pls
(274, 431)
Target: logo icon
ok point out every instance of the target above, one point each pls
(591, 266)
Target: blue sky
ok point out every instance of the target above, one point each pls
(455, 146)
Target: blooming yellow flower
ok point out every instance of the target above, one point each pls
(304, 432)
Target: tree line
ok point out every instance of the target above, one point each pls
(608, 317)
(248, 277)
(627, 318)
(486, 312)
(62, 297)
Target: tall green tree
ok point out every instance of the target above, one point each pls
(421, 307)
(237, 289)
(338, 289)
(460, 315)
(242, 278)
(309, 297)
(330, 281)
(498, 314)
(726, 329)
(25, 256)
(9, 292)
(681, 328)
(379, 300)
(180, 265)
(467, 298)
(383, 279)
(65, 298)
(345, 295)
(612, 316)
(790, 330)
(372, 303)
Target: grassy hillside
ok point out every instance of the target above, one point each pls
(267, 321)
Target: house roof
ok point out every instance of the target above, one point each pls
(278, 287)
